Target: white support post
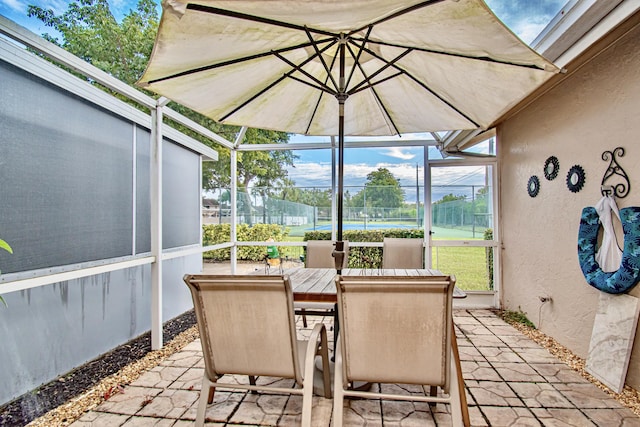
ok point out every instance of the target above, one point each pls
(427, 207)
(156, 225)
(234, 198)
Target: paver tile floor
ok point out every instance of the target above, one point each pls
(510, 381)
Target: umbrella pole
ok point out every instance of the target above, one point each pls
(342, 97)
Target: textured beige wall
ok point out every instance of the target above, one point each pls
(596, 108)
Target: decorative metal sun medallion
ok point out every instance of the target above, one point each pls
(533, 186)
(575, 178)
(551, 168)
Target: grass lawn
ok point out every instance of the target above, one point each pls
(468, 264)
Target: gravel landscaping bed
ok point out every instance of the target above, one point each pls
(30, 406)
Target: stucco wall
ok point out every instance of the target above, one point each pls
(596, 108)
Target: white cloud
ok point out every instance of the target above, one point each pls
(14, 5)
(526, 18)
(398, 153)
(528, 30)
(309, 174)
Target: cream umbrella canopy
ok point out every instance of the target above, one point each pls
(342, 67)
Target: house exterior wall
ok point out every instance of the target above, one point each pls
(594, 109)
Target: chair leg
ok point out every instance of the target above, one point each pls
(456, 402)
(204, 398)
(326, 370)
(212, 392)
(307, 401)
(304, 317)
(459, 378)
(433, 391)
(252, 381)
(338, 391)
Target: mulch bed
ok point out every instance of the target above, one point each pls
(32, 405)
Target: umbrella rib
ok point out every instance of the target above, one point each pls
(236, 61)
(322, 61)
(321, 88)
(268, 87)
(357, 57)
(320, 85)
(424, 86)
(368, 78)
(376, 83)
(247, 17)
(398, 13)
(256, 95)
(380, 70)
(315, 109)
(456, 55)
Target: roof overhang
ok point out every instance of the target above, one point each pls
(580, 31)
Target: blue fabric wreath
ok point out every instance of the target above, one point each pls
(628, 275)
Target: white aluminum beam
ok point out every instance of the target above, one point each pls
(23, 284)
(156, 225)
(328, 145)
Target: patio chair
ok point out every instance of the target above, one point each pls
(398, 330)
(247, 327)
(319, 255)
(402, 253)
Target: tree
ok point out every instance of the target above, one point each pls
(89, 30)
(382, 190)
(262, 170)
(449, 198)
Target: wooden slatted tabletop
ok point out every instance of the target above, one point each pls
(318, 284)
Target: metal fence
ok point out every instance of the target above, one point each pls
(471, 210)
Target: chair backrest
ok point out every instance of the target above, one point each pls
(319, 254)
(246, 325)
(396, 329)
(402, 253)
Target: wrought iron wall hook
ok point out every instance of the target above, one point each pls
(620, 189)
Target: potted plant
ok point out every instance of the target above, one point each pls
(4, 245)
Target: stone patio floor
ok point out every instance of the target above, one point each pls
(510, 381)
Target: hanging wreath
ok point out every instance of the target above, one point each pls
(551, 168)
(575, 178)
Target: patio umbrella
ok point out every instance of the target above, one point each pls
(342, 67)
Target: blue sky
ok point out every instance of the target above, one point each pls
(526, 18)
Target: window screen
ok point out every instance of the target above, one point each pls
(66, 176)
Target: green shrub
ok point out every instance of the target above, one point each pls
(220, 233)
(488, 235)
(361, 257)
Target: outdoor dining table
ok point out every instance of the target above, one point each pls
(318, 284)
